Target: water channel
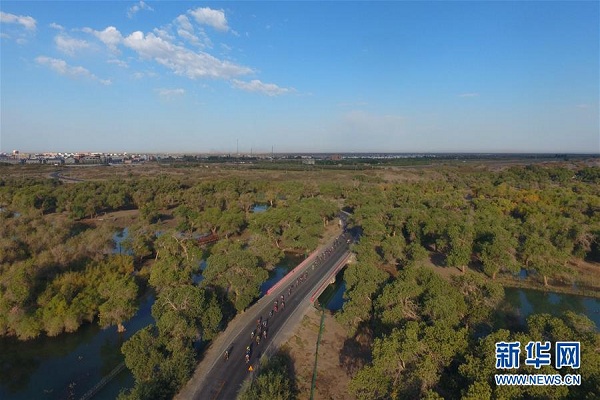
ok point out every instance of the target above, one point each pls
(524, 301)
(67, 366)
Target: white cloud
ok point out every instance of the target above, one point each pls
(186, 31)
(583, 106)
(26, 21)
(189, 36)
(118, 62)
(56, 26)
(61, 67)
(184, 23)
(164, 34)
(110, 36)
(467, 95)
(69, 45)
(210, 17)
(170, 94)
(140, 75)
(181, 60)
(270, 89)
(138, 7)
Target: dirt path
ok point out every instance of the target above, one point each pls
(332, 380)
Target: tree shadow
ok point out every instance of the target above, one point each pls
(283, 360)
(438, 259)
(356, 351)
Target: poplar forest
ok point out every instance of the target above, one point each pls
(424, 301)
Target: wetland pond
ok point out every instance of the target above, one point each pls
(69, 365)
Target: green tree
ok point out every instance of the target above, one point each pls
(184, 313)
(498, 253)
(177, 259)
(272, 383)
(481, 296)
(460, 237)
(143, 356)
(363, 283)
(120, 294)
(540, 255)
(236, 271)
(268, 254)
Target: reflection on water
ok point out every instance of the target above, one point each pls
(68, 365)
(287, 264)
(274, 277)
(527, 302)
(259, 208)
(332, 297)
(118, 238)
(524, 301)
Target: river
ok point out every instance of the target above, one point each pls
(67, 366)
(528, 301)
(524, 302)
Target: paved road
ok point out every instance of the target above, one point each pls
(224, 377)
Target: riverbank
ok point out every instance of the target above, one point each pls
(583, 279)
(523, 284)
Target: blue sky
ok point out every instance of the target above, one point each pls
(300, 76)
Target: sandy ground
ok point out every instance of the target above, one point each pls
(332, 379)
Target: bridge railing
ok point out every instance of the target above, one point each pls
(340, 264)
(299, 267)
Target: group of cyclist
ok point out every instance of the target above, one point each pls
(344, 238)
(260, 332)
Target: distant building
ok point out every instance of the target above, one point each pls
(88, 160)
(54, 160)
(336, 157)
(308, 161)
(9, 159)
(115, 160)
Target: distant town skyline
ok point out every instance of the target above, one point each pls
(223, 77)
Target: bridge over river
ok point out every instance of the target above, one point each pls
(217, 378)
